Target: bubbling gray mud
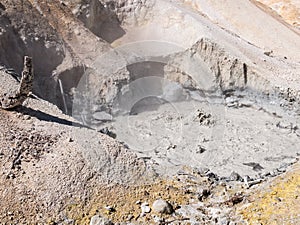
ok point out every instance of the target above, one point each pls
(171, 127)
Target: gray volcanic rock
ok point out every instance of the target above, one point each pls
(161, 206)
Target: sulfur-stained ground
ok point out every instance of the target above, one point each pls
(277, 202)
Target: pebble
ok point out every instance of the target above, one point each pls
(130, 217)
(110, 208)
(251, 183)
(235, 177)
(281, 169)
(231, 102)
(212, 176)
(77, 32)
(145, 208)
(200, 149)
(158, 220)
(274, 173)
(203, 193)
(202, 171)
(223, 221)
(27, 117)
(162, 206)
(97, 220)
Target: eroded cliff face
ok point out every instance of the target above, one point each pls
(25, 32)
(70, 37)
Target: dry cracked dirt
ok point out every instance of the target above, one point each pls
(151, 112)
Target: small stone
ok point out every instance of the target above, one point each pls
(268, 53)
(281, 169)
(202, 171)
(145, 208)
(274, 173)
(203, 193)
(235, 177)
(212, 176)
(130, 217)
(77, 32)
(161, 206)
(158, 220)
(200, 149)
(97, 220)
(27, 117)
(110, 209)
(231, 101)
(254, 182)
(106, 131)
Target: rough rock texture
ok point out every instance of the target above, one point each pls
(161, 206)
(17, 93)
(25, 32)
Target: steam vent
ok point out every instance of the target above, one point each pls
(150, 112)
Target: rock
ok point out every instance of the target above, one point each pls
(200, 149)
(203, 193)
(268, 53)
(97, 220)
(145, 208)
(102, 116)
(138, 202)
(254, 182)
(235, 177)
(161, 206)
(202, 171)
(15, 93)
(212, 176)
(26, 117)
(281, 169)
(223, 221)
(77, 32)
(158, 220)
(204, 118)
(255, 166)
(274, 173)
(110, 209)
(130, 217)
(106, 131)
(231, 101)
